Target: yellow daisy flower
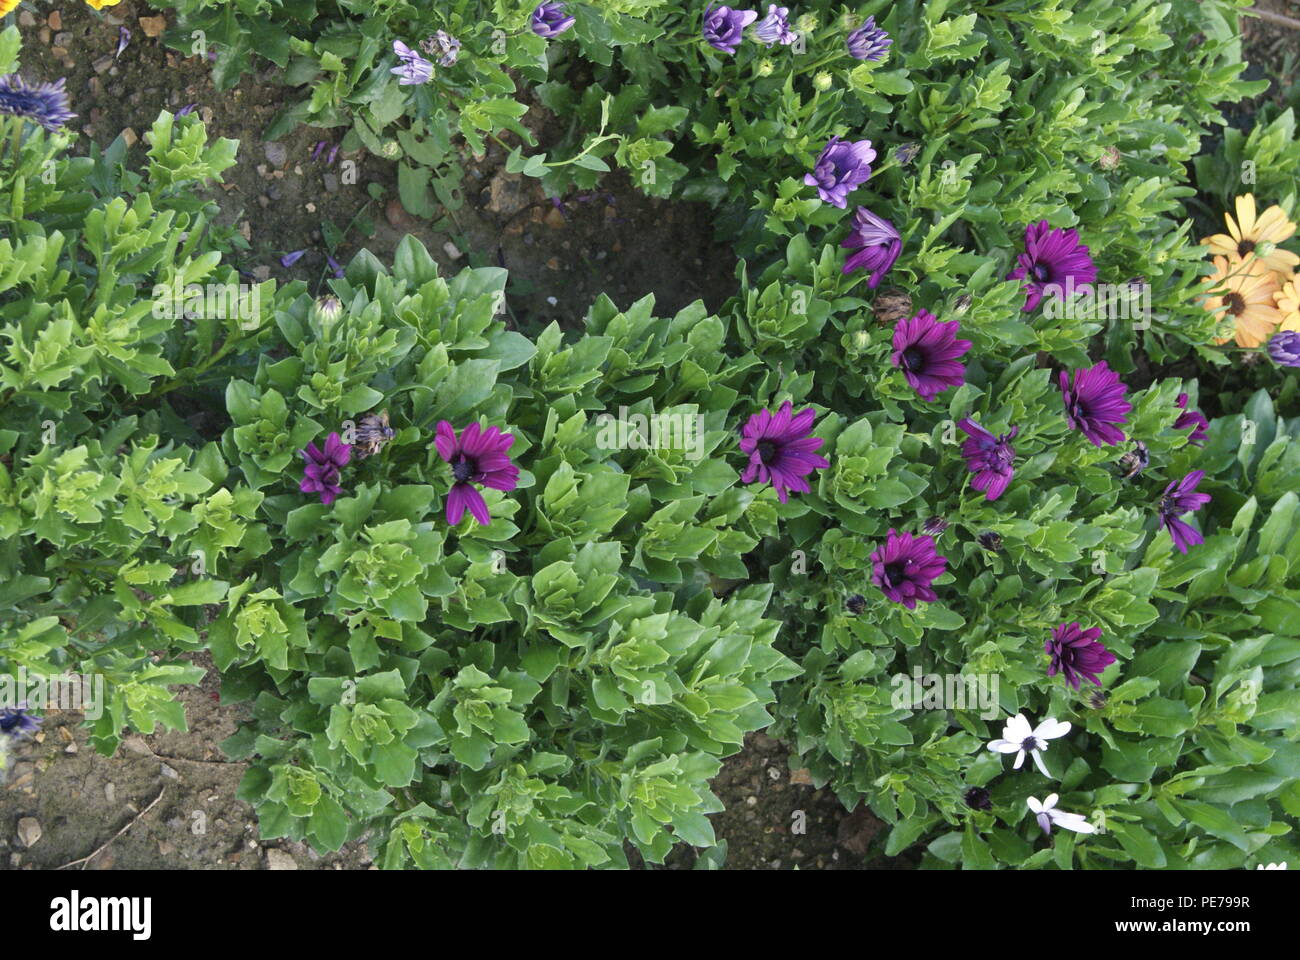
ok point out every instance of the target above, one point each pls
(7, 6)
(1249, 231)
(1287, 299)
(101, 4)
(1243, 291)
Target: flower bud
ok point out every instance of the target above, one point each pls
(822, 81)
(329, 309)
(765, 68)
(1109, 159)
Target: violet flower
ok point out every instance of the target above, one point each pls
(45, 104)
(1053, 262)
(1181, 497)
(321, 473)
(877, 244)
(549, 20)
(928, 352)
(905, 566)
(989, 457)
(1077, 653)
(412, 68)
(775, 27)
(1193, 419)
(724, 26)
(781, 449)
(289, 259)
(1284, 348)
(442, 45)
(123, 38)
(841, 168)
(334, 265)
(868, 42)
(477, 457)
(1094, 402)
(16, 722)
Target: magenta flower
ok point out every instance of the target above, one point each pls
(1077, 653)
(877, 244)
(1181, 497)
(321, 474)
(989, 457)
(1094, 402)
(1193, 419)
(477, 457)
(841, 168)
(1053, 262)
(724, 26)
(927, 352)
(904, 568)
(781, 449)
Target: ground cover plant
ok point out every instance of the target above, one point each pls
(980, 492)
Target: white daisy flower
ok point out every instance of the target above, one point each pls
(1019, 738)
(1272, 866)
(1048, 815)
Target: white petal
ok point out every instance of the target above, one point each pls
(1004, 746)
(1017, 728)
(1051, 728)
(1050, 801)
(1034, 805)
(1071, 821)
(1038, 760)
(1020, 758)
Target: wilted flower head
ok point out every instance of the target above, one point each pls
(443, 46)
(892, 306)
(775, 27)
(1094, 402)
(1020, 738)
(412, 68)
(907, 153)
(549, 20)
(991, 458)
(477, 457)
(1077, 653)
(373, 433)
(905, 566)
(16, 722)
(877, 244)
(841, 168)
(1096, 699)
(927, 351)
(1193, 419)
(977, 798)
(1048, 816)
(1284, 348)
(1135, 461)
(45, 104)
(868, 42)
(990, 540)
(934, 526)
(1053, 262)
(724, 26)
(856, 604)
(781, 449)
(1110, 158)
(1181, 497)
(321, 473)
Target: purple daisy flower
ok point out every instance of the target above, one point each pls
(16, 722)
(781, 450)
(1181, 497)
(877, 244)
(1053, 262)
(989, 457)
(842, 167)
(412, 68)
(321, 474)
(1193, 419)
(905, 567)
(549, 20)
(775, 27)
(1077, 653)
(868, 42)
(723, 27)
(927, 352)
(1284, 348)
(1094, 402)
(45, 104)
(479, 456)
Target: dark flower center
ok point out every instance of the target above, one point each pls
(1236, 304)
(913, 359)
(1030, 744)
(463, 469)
(1245, 247)
(895, 572)
(1042, 272)
(766, 450)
